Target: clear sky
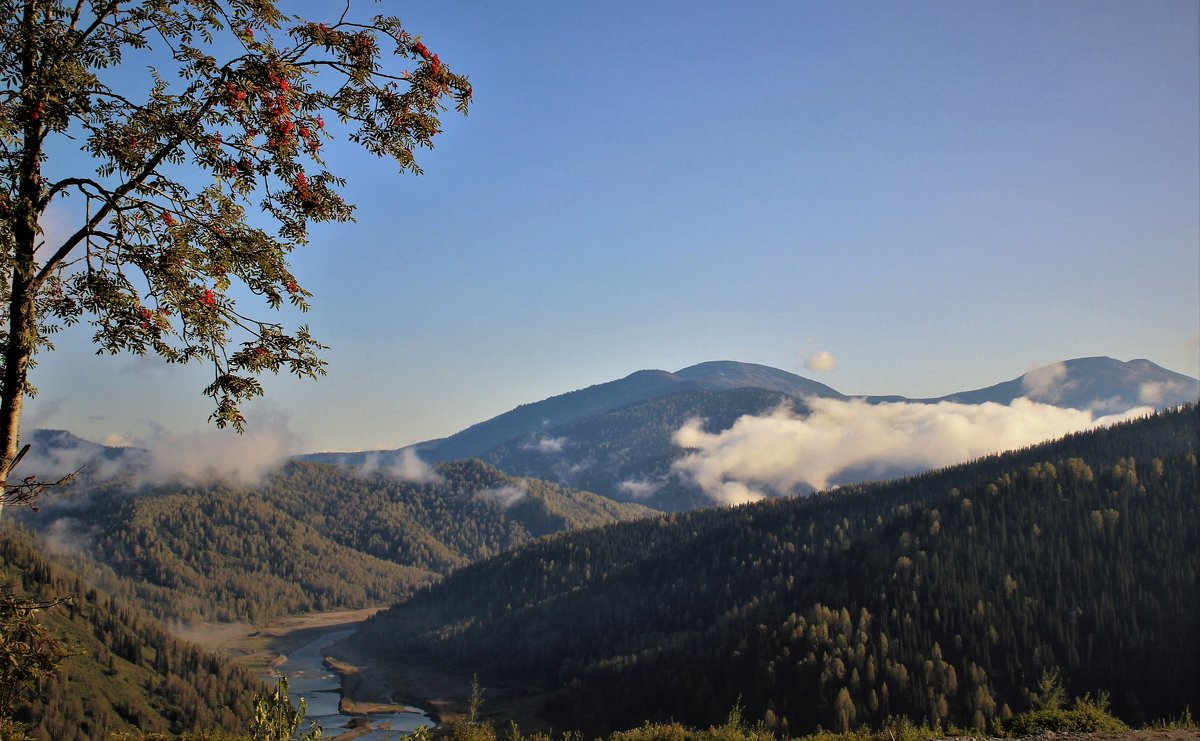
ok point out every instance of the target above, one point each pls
(938, 195)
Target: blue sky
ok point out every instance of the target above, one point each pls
(939, 195)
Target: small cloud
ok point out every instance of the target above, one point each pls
(505, 496)
(1047, 383)
(1154, 392)
(639, 489)
(412, 469)
(1111, 405)
(113, 440)
(67, 536)
(407, 467)
(820, 361)
(547, 445)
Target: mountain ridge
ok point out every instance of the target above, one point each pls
(595, 438)
(1103, 373)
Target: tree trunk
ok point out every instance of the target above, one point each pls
(23, 284)
(22, 339)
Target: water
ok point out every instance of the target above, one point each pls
(310, 679)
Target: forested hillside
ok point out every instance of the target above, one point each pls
(310, 537)
(942, 596)
(123, 671)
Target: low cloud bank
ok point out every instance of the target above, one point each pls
(68, 457)
(200, 458)
(842, 441)
(217, 456)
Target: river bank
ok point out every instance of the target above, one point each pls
(367, 685)
(258, 647)
(295, 646)
(445, 695)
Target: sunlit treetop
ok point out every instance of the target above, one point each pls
(207, 177)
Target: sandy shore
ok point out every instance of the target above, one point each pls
(259, 647)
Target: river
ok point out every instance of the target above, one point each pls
(310, 679)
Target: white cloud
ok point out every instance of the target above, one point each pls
(204, 457)
(505, 496)
(1153, 392)
(412, 469)
(40, 412)
(1047, 383)
(67, 536)
(52, 463)
(842, 441)
(408, 468)
(547, 445)
(220, 455)
(113, 440)
(639, 489)
(821, 361)
(1111, 405)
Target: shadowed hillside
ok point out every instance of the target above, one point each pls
(124, 672)
(942, 597)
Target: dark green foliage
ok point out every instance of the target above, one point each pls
(1085, 715)
(124, 671)
(276, 719)
(734, 729)
(310, 537)
(942, 597)
(28, 652)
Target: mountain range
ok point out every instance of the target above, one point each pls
(618, 438)
(387, 527)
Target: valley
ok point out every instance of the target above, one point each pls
(941, 597)
(923, 594)
(772, 371)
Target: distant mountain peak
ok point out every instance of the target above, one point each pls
(1099, 383)
(729, 374)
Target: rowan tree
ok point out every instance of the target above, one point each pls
(206, 175)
